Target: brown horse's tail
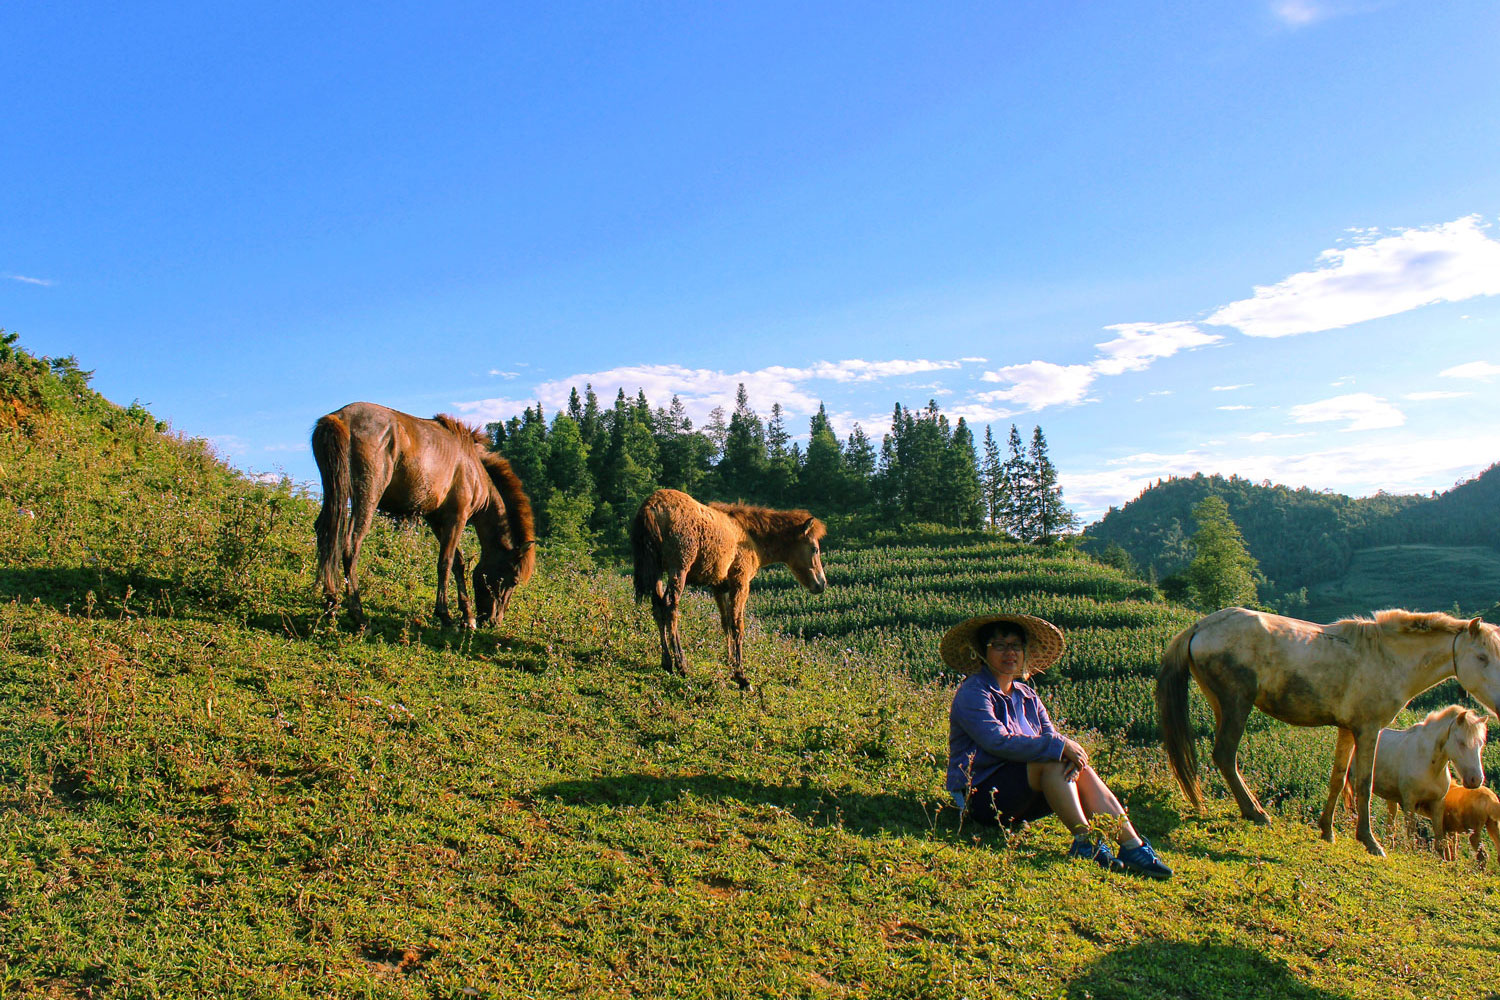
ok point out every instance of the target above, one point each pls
(1172, 711)
(645, 545)
(330, 445)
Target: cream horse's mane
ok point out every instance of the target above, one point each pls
(1394, 622)
(1471, 720)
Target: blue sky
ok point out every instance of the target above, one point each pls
(1258, 238)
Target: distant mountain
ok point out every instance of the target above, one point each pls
(1300, 537)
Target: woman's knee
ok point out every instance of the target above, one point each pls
(1038, 771)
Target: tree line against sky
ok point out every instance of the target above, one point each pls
(589, 467)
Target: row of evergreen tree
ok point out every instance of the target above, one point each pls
(589, 467)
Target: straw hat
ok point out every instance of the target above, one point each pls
(1044, 642)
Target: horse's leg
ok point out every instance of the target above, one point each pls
(1438, 813)
(461, 579)
(366, 492)
(448, 531)
(1233, 711)
(731, 602)
(666, 622)
(737, 637)
(1364, 778)
(672, 595)
(1342, 751)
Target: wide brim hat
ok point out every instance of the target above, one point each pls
(1044, 642)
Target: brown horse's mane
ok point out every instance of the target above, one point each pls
(517, 508)
(763, 522)
(464, 432)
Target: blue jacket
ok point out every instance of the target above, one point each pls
(988, 729)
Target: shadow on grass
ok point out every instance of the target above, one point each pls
(858, 812)
(1179, 970)
(66, 589)
(491, 642)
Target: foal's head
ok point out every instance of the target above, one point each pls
(805, 555)
(1464, 743)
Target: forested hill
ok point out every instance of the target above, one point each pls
(1299, 536)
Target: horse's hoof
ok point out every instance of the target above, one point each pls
(1329, 835)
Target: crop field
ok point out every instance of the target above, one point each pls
(209, 788)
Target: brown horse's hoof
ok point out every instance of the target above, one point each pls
(1374, 848)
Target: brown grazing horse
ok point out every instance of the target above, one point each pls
(719, 546)
(372, 457)
(1355, 674)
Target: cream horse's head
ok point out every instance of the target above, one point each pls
(1464, 746)
(1476, 661)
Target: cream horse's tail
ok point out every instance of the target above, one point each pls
(1172, 712)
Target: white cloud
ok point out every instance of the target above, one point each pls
(1474, 369)
(1260, 436)
(702, 389)
(1296, 12)
(30, 281)
(501, 374)
(1039, 384)
(1382, 277)
(1230, 388)
(1036, 385)
(1363, 411)
(1421, 397)
(1139, 344)
(1237, 406)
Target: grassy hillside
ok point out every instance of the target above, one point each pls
(1434, 577)
(207, 788)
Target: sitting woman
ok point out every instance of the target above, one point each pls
(1006, 760)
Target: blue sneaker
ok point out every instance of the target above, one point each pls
(1098, 853)
(1142, 860)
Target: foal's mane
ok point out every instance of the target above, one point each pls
(517, 508)
(1470, 719)
(763, 522)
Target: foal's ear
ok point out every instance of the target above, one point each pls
(1476, 626)
(808, 526)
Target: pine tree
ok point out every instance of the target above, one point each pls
(992, 476)
(742, 470)
(965, 493)
(1017, 513)
(571, 488)
(781, 463)
(1053, 518)
(859, 471)
(822, 482)
(684, 454)
(1222, 573)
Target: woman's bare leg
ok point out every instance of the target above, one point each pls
(1075, 800)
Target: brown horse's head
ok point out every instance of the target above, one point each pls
(805, 556)
(496, 576)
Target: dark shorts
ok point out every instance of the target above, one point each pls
(1006, 797)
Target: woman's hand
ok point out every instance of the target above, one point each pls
(1074, 758)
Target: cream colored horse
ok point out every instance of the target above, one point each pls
(1355, 674)
(1411, 766)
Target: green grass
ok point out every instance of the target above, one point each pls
(208, 789)
(1419, 577)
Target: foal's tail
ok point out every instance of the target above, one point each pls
(1172, 711)
(645, 545)
(330, 445)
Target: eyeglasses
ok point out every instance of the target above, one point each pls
(1013, 647)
